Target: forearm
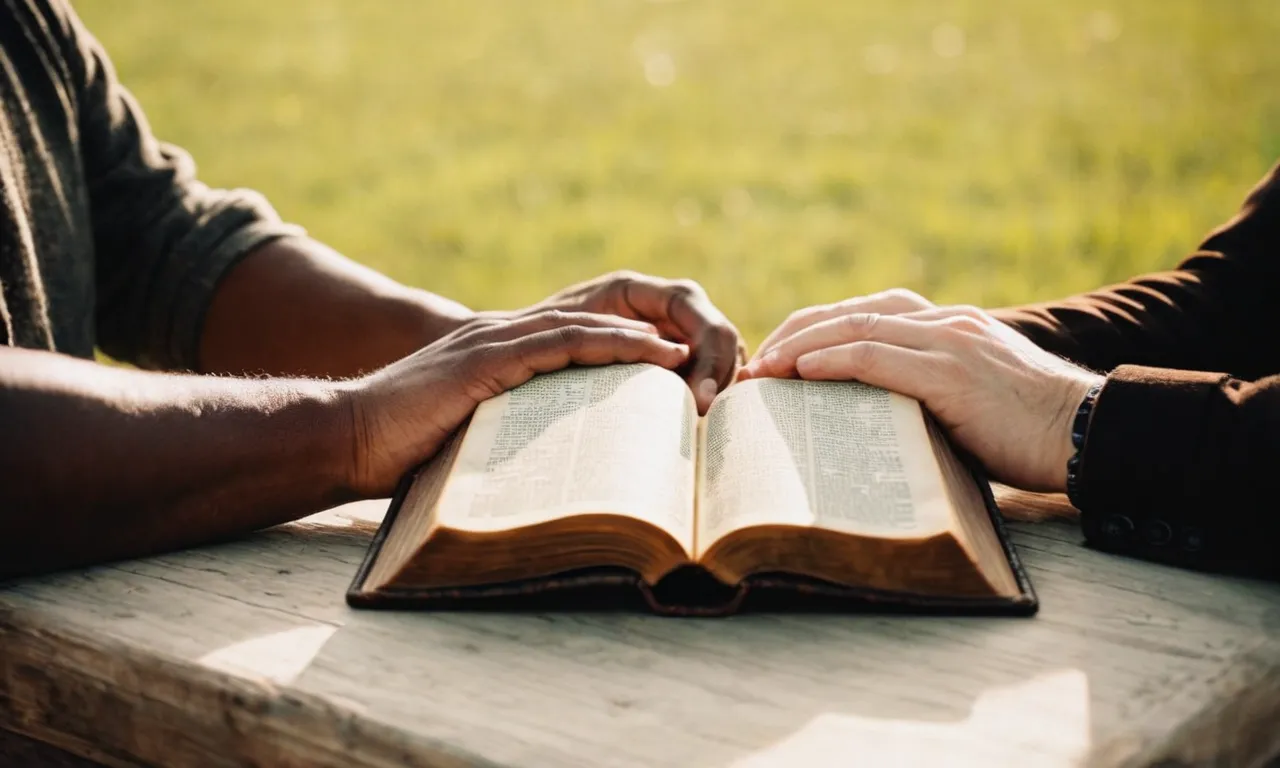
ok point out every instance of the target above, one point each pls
(295, 307)
(101, 463)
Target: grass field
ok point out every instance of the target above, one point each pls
(782, 152)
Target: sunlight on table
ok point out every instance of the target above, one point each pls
(279, 657)
(1006, 725)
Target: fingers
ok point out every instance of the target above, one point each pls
(682, 309)
(892, 302)
(898, 330)
(953, 311)
(910, 372)
(554, 318)
(512, 363)
(717, 354)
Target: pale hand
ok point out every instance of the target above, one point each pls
(1005, 400)
(401, 415)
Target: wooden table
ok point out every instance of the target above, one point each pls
(245, 654)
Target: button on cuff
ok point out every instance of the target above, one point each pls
(1117, 530)
(1158, 533)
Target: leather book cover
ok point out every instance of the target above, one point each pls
(687, 591)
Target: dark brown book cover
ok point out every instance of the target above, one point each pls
(687, 591)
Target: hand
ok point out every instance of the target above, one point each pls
(681, 312)
(896, 301)
(401, 415)
(1001, 397)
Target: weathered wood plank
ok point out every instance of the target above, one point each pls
(125, 705)
(244, 653)
(17, 751)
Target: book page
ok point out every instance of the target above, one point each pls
(838, 455)
(615, 439)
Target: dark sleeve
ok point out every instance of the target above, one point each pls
(1182, 462)
(1216, 312)
(1184, 467)
(162, 239)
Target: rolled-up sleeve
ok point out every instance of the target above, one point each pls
(162, 239)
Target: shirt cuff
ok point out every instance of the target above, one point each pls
(1138, 466)
(201, 281)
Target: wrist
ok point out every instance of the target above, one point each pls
(336, 425)
(1075, 388)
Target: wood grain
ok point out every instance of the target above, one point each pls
(245, 654)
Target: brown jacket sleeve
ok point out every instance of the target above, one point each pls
(1182, 462)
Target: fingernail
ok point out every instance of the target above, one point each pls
(707, 389)
(683, 349)
(765, 363)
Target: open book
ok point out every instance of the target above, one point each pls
(593, 480)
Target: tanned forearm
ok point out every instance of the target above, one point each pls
(101, 463)
(295, 307)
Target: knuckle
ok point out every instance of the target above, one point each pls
(555, 316)
(965, 324)
(860, 322)
(905, 296)
(899, 293)
(686, 288)
(722, 334)
(570, 336)
(623, 276)
(616, 338)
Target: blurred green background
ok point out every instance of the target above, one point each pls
(783, 153)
